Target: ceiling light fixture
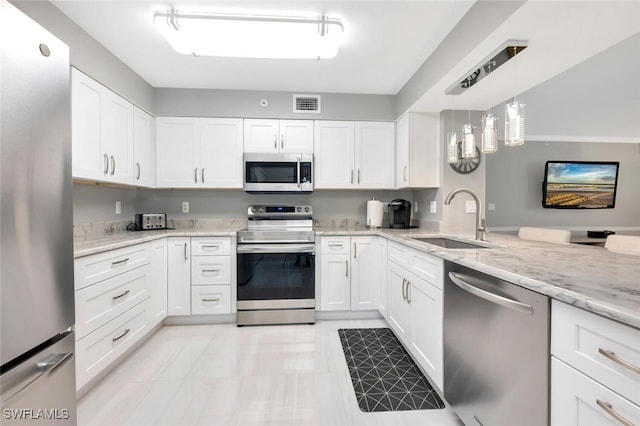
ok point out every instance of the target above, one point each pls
(251, 36)
(489, 128)
(514, 116)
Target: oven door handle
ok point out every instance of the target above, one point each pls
(276, 248)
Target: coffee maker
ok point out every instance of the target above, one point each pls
(399, 214)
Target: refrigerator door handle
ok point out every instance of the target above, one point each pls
(45, 367)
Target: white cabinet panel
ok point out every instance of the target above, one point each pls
(92, 269)
(144, 149)
(211, 246)
(334, 150)
(364, 277)
(158, 281)
(335, 245)
(418, 156)
(335, 293)
(86, 122)
(289, 136)
(382, 278)
(207, 270)
(176, 144)
(179, 276)
(117, 137)
(220, 155)
(374, 155)
(398, 305)
(296, 136)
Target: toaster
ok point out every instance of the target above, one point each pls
(151, 221)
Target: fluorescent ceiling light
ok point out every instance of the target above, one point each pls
(250, 36)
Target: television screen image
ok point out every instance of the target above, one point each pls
(576, 185)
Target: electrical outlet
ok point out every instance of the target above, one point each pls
(118, 207)
(470, 206)
(491, 207)
(415, 207)
(185, 207)
(432, 206)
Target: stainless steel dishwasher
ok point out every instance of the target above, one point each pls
(496, 350)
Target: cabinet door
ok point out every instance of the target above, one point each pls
(334, 143)
(574, 400)
(364, 277)
(261, 135)
(296, 136)
(374, 151)
(382, 277)
(86, 122)
(335, 283)
(144, 155)
(402, 152)
(399, 309)
(179, 276)
(117, 137)
(158, 281)
(220, 153)
(426, 327)
(176, 142)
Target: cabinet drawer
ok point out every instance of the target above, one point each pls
(335, 245)
(398, 254)
(211, 299)
(583, 340)
(210, 270)
(210, 246)
(97, 350)
(99, 303)
(574, 400)
(98, 267)
(427, 267)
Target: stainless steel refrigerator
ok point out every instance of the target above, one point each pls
(37, 370)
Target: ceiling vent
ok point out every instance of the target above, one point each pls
(306, 103)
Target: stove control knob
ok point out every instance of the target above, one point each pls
(253, 209)
(261, 210)
(298, 209)
(306, 209)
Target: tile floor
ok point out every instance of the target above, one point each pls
(228, 375)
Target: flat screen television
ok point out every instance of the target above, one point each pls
(580, 184)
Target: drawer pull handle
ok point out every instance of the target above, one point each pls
(217, 247)
(346, 268)
(124, 293)
(613, 357)
(210, 300)
(336, 245)
(610, 411)
(120, 262)
(211, 270)
(115, 339)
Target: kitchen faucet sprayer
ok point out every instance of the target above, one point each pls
(480, 223)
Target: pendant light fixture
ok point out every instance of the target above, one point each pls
(489, 128)
(453, 150)
(514, 116)
(469, 140)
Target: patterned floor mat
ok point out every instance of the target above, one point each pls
(384, 376)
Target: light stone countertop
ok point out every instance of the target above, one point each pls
(587, 277)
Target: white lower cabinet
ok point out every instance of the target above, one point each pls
(211, 272)
(382, 278)
(179, 276)
(414, 306)
(348, 273)
(594, 369)
(210, 299)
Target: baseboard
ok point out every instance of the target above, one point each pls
(347, 315)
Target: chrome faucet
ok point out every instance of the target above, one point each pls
(480, 224)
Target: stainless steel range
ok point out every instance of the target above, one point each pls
(276, 266)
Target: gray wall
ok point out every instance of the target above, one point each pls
(246, 103)
(94, 203)
(515, 175)
(90, 56)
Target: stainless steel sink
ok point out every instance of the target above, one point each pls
(449, 243)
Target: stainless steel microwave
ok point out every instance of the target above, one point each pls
(278, 172)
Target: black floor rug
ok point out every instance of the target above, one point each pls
(384, 376)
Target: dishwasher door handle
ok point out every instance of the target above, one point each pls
(461, 281)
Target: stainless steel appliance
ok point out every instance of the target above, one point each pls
(496, 350)
(399, 214)
(145, 221)
(37, 371)
(278, 172)
(276, 266)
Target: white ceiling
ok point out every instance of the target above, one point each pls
(387, 41)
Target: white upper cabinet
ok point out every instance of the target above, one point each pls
(334, 150)
(374, 155)
(288, 136)
(144, 152)
(354, 155)
(417, 151)
(199, 152)
(102, 132)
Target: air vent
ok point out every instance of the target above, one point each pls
(306, 103)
